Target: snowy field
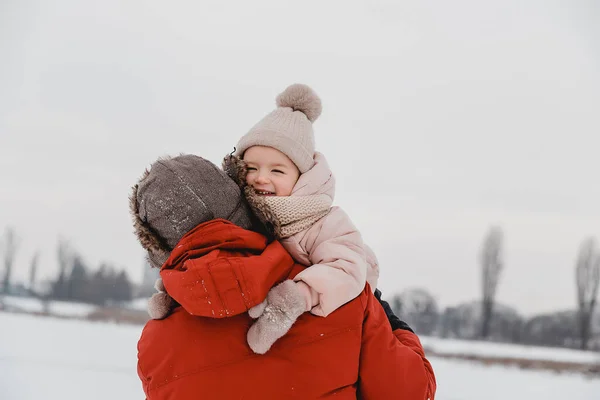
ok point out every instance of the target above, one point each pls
(508, 350)
(56, 307)
(46, 358)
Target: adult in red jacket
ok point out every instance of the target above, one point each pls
(194, 223)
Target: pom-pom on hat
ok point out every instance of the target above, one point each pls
(289, 127)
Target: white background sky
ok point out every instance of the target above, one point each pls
(440, 119)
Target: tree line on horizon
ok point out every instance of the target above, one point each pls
(75, 280)
(485, 319)
(480, 319)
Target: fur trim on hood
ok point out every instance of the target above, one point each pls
(237, 170)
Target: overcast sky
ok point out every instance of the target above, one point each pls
(439, 119)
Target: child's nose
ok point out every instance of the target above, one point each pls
(261, 178)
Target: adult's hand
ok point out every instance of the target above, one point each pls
(395, 322)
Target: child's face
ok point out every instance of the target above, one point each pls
(270, 172)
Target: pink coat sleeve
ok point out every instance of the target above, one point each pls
(339, 267)
(373, 268)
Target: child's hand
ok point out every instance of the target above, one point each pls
(160, 304)
(284, 304)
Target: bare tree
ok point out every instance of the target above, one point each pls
(492, 262)
(557, 329)
(9, 244)
(78, 281)
(122, 288)
(418, 308)
(33, 271)
(65, 262)
(587, 277)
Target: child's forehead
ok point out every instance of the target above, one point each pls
(268, 161)
(263, 154)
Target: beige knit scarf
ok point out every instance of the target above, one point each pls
(297, 213)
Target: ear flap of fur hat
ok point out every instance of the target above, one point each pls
(268, 225)
(157, 249)
(235, 168)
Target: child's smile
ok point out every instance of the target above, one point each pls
(270, 172)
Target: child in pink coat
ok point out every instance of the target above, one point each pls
(296, 183)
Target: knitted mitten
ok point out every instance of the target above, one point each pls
(160, 304)
(284, 304)
(257, 310)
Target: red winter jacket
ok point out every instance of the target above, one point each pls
(217, 272)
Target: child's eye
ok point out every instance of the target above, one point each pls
(278, 171)
(251, 169)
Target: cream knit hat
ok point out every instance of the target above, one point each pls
(289, 127)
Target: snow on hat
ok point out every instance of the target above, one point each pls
(177, 194)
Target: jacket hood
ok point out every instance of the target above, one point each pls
(318, 180)
(219, 269)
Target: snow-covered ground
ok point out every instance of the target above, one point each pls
(506, 350)
(140, 304)
(47, 358)
(55, 307)
(70, 309)
(467, 381)
(70, 359)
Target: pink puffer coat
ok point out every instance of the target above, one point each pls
(340, 263)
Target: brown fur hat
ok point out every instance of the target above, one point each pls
(175, 195)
